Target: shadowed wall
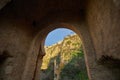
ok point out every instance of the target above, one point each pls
(24, 25)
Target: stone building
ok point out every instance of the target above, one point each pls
(24, 25)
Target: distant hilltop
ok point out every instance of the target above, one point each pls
(69, 44)
(71, 36)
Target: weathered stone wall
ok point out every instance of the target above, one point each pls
(25, 24)
(103, 20)
(14, 43)
(3, 3)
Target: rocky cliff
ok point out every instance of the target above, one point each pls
(63, 60)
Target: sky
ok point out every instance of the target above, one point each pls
(57, 35)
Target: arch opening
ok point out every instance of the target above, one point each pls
(81, 30)
(64, 59)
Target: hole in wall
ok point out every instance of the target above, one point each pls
(112, 64)
(3, 57)
(64, 59)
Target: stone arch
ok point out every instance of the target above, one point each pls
(100, 17)
(80, 29)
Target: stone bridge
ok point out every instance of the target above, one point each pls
(24, 25)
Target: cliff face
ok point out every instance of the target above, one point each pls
(63, 48)
(64, 58)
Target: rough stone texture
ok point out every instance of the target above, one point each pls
(3, 3)
(24, 25)
(104, 27)
(16, 42)
(103, 20)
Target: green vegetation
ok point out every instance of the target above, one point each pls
(64, 61)
(75, 69)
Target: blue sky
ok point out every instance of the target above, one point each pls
(57, 35)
